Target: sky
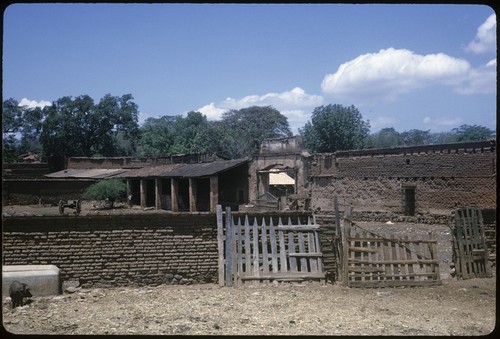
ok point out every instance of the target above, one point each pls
(406, 66)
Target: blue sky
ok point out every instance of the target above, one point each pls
(403, 66)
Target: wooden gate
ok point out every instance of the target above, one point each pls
(470, 253)
(267, 252)
(370, 260)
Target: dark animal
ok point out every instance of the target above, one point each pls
(18, 291)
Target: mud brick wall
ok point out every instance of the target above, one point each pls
(444, 179)
(117, 250)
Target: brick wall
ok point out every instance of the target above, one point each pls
(444, 177)
(117, 250)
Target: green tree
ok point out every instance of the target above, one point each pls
(21, 129)
(243, 130)
(109, 190)
(78, 127)
(385, 138)
(473, 133)
(416, 137)
(169, 135)
(335, 127)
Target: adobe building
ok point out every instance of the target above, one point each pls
(278, 175)
(419, 180)
(193, 187)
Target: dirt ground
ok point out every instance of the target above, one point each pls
(457, 307)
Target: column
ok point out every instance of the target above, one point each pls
(214, 193)
(192, 194)
(143, 192)
(158, 190)
(174, 184)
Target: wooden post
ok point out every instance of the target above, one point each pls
(214, 192)
(143, 192)
(174, 185)
(229, 247)
(220, 244)
(158, 190)
(192, 195)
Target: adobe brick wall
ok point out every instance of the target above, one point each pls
(130, 250)
(444, 176)
(117, 250)
(46, 191)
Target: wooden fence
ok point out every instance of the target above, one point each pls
(370, 260)
(267, 252)
(470, 252)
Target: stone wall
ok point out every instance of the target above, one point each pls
(120, 250)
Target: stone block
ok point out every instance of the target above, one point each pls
(43, 280)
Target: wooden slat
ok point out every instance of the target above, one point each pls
(396, 262)
(297, 228)
(311, 248)
(239, 239)
(255, 237)
(363, 249)
(265, 257)
(220, 244)
(291, 249)
(281, 237)
(408, 256)
(274, 252)
(381, 239)
(394, 253)
(229, 247)
(302, 248)
(248, 257)
(402, 256)
(306, 254)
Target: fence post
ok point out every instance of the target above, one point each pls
(220, 244)
(346, 233)
(229, 247)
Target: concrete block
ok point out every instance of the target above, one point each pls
(43, 280)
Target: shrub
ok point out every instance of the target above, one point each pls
(110, 190)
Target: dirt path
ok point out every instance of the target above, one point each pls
(464, 307)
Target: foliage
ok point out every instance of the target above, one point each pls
(78, 127)
(20, 122)
(237, 134)
(473, 133)
(335, 127)
(111, 190)
(169, 135)
(416, 137)
(385, 138)
(244, 130)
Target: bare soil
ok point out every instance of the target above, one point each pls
(457, 307)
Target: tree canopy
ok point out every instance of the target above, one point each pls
(335, 127)
(78, 127)
(238, 134)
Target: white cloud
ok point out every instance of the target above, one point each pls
(391, 72)
(34, 103)
(480, 80)
(486, 37)
(211, 111)
(295, 104)
(381, 122)
(442, 122)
